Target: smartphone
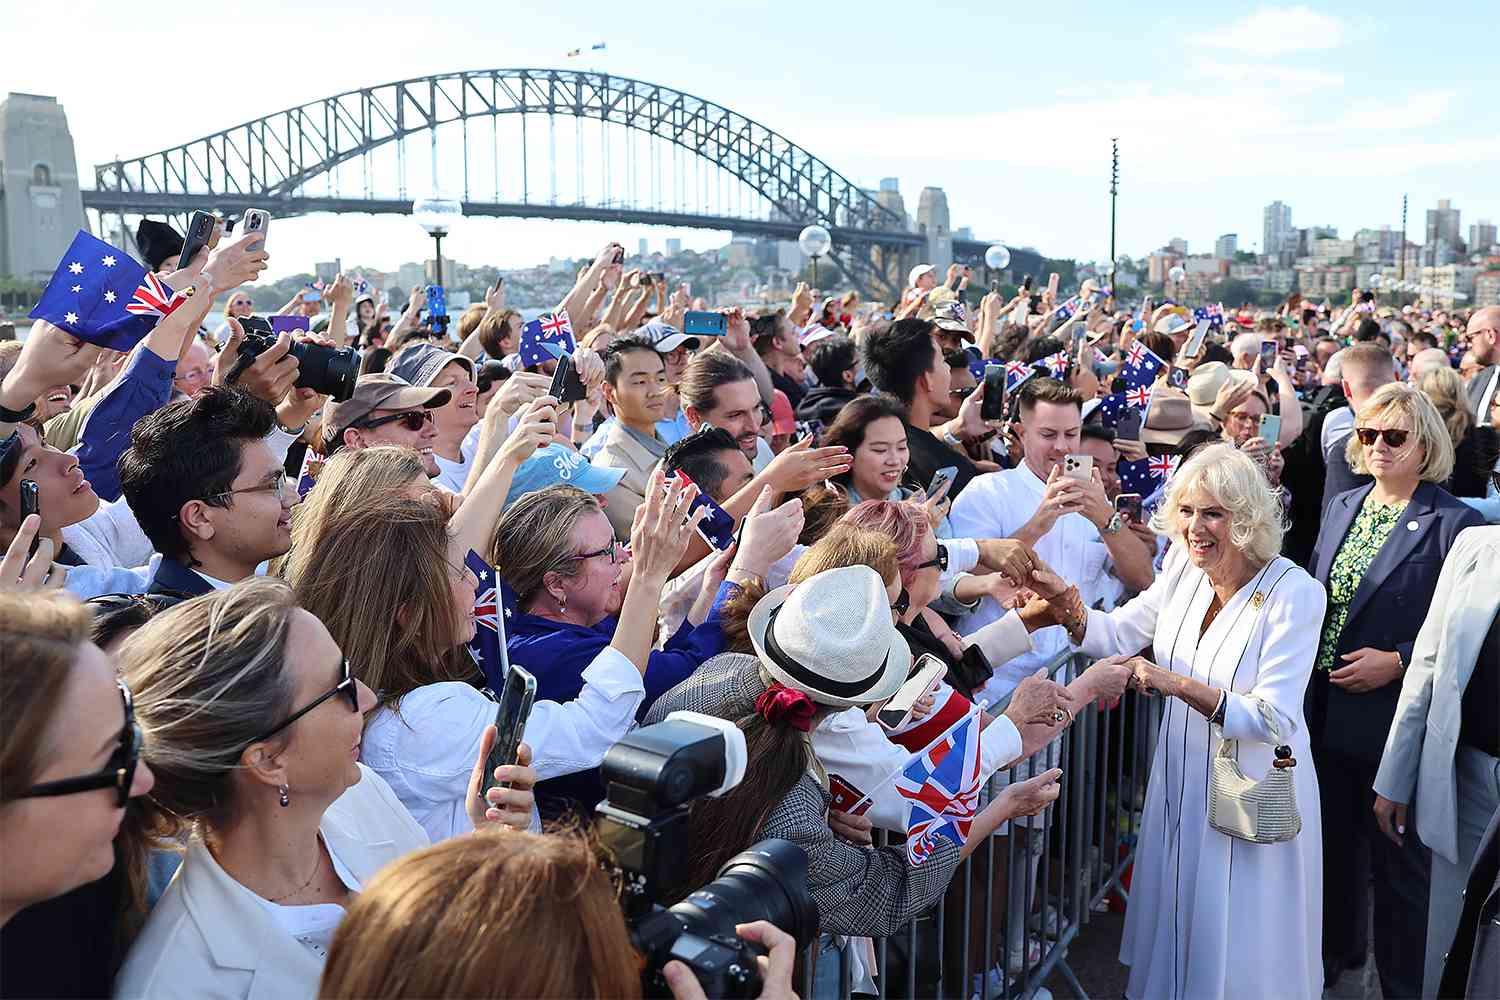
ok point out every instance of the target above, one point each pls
(717, 526)
(256, 221)
(511, 713)
(200, 233)
(1270, 428)
(1079, 468)
(925, 674)
(1026, 283)
(312, 295)
(619, 255)
(1128, 506)
(1195, 340)
(1267, 355)
(1052, 282)
(1177, 378)
(1129, 427)
(955, 281)
(1013, 405)
(944, 475)
(437, 300)
(31, 503)
(992, 405)
(289, 324)
(699, 323)
(566, 386)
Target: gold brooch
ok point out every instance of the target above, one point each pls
(1257, 599)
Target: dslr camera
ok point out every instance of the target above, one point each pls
(652, 777)
(329, 371)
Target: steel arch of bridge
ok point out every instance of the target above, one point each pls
(268, 160)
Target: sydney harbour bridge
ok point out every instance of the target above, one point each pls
(536, 143)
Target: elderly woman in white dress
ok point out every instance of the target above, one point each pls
(1233, 629)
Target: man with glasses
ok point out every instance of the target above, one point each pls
(1484, 343)
(208, 491)
(385, 409)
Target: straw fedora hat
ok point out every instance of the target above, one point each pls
(832, 637)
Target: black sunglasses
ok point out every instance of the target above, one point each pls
(1394, 437)
(119, 771)
(412, 420)
(940, 560)
(346, 687)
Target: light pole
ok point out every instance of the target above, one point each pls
(814, 241)
(436, 215)
(1177, 275)
(996, 258)
(1114, 191)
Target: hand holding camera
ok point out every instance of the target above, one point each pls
(775, 968)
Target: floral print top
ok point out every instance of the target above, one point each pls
(1366, 536)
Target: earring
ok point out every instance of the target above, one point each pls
(562, 603)
(286, 799)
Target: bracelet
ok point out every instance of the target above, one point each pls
(293, 431)
(9, 416)
(1218, 717)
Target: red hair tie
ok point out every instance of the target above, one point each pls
(781, 705)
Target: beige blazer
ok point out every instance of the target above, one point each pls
(621, 451)
(209, 936)
(1423, 740)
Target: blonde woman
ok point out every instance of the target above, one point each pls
(1475, 446)
(1232, 627)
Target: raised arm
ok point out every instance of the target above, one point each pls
(575, 302)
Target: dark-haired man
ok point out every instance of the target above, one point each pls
(385, 409)
(777, 346)
(207, 490)
(1071, 525)
(835, 364)
(635, 385)
(904, 361)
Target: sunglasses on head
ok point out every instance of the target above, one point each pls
(940, 560)
(1395, 437)
(119, 770)
(412, 420)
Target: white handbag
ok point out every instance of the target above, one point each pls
(1261, 811)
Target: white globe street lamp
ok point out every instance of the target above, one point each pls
(997, 257)
(437, 215)
(814, 241)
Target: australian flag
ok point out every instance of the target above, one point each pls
(1065, 311)
(552, 328)
(1015, 371)
(1145, 475)
(101, 295)
(941, 786)
(1214, 313)
(1141, 365)
(493, 602)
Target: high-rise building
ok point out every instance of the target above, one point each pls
(1226, 245)
(933, 223)
(674, 247)
(1178, 245)
(1481, 236)
(644, 248)
(41, 209)
(1442, 224)
(1277, 229)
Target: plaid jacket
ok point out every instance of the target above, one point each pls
(859, 890)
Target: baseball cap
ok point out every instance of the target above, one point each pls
(556, 464)
(950, 316)
(666, 338)
(918, 271)
(783, 420)
(1171, 324)
(377, 391)
(419, 364)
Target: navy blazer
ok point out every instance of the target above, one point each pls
(1386, 613)
(172, 577)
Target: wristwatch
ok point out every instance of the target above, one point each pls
(952, 441)
(9, 416)
(1113, 526)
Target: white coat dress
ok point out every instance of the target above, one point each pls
(1212, 916)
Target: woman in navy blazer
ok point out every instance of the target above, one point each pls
(1379, 552)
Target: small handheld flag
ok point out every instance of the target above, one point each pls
(547, 328)
(101, 295)
(493, 602)
(941, 786)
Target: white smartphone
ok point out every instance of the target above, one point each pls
(1079, 467)
(256, 221)
(926, 673)
(1195, 341)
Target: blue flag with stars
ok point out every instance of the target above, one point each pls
(548, 328)
(1141, 365)
(101, 295)
(494, 602)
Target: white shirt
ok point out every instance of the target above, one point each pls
(451, 475)
(997, 505)
(763, 455)
(313, 925)
(111, 536)
(427, 753)
(1337, 426)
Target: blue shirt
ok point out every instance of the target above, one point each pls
(143, 387)
(557, 653)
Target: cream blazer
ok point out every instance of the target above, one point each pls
(209, 936)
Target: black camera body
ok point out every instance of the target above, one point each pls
(651, 777)
(329, 371)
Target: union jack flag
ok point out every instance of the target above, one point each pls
(1057, 364)
(1141, 365)
(1068, 308)
(93, 295)
(1015, 373)
(548, 328)
(153, 298)
(1162, 466)
(941, 786)
(492, 600)
(1139, 396)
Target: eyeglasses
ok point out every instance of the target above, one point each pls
(612, 550)
(277, 488)
(940, 560)
(1395, 437)
(107, 604)
(119, 771)
(346, 687)
(412, 420)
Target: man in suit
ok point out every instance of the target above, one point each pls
(1444, 745)
(635, 384)
(208, 491)
(1484, 343)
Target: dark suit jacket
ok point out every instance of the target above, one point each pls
(172, 577)
(1477, 386)
(1386, 613)
(1472, 968)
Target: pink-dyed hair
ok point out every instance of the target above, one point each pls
(899, 520)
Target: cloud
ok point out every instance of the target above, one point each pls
(1417, 111)
(1268, 74)
(1272, 31)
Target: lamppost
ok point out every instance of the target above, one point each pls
(814, 241)
(996, 258)
(436, 215)
(1177, 275)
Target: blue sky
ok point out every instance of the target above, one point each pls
(1336, 109)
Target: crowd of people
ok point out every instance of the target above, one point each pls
(245, 732)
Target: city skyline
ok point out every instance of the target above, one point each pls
(1217, 116)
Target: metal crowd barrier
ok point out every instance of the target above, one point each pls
(992, 918)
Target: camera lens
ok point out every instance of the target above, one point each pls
(767, 882)
(328, 370)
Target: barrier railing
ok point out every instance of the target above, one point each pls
(1016, 905)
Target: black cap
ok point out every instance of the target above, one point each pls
(157, 242)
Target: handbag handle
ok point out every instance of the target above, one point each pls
(1282, 751)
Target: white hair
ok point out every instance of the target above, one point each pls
(1233, 481)
(1246, 345)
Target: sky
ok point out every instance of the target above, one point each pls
(1336, 109)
